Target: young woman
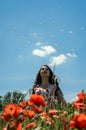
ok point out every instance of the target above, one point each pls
(47, 85)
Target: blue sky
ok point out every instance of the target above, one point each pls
(37, 32)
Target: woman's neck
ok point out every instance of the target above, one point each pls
(45, 82)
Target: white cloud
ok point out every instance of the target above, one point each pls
(72, 55)
(57, 60)
(45, 50)
(48, 49)
(38, 52)
(39, 43)
(62, 58)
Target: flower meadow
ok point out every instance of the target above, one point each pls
(36, 114)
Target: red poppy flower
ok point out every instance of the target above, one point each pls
(30, 113)
(78, 121)
(5, 117)
(23, 104)
(73, 122)
(44, 115)
(37, 100)
(18, 126)
(81, 95)
(31, 125)
(10, 109)
(82, 120)
(18, 110)
(80, 103)
(37, 109)
(52, 112)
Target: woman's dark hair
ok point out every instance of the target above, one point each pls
(52, 80)
(38, 80)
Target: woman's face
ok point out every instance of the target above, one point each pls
(44, 71)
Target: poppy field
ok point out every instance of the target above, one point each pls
(36, 114)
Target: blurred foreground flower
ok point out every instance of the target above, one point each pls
(78, 121)
(35, 114)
